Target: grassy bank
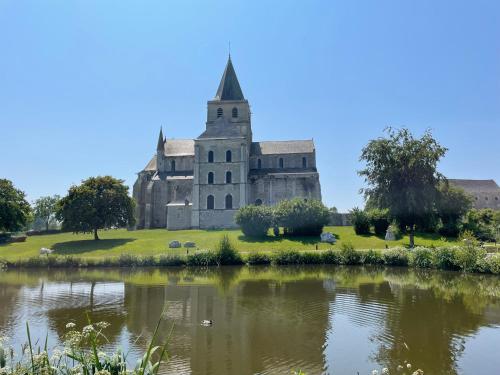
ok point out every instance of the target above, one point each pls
(114, 243)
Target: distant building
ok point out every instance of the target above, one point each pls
(485, 193)
(201, 183)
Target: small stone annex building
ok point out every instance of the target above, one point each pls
(485, 193)
(201, 183)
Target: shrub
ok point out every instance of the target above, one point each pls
(372, 257)
(128, 260)
(258, 258)
(422, 257)
(286, 257)
(360, 221)
(379, 218)
(469, 254)
(481, 223)
(348, 255)
(489, 264)
(445, 258)
(226, 253)
(331, 257)
(310, 257)
(301, 217)
(202, 259)
(396, 257)
(170, 260)
(254, 221)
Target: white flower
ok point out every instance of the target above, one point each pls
(70, 325)
(385, 371)
(408, 365)
(87, 330)
(374, 372)
(102, 325)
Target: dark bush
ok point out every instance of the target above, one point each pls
(226, 253)
(360, 221)
(445, 258)
(379, 218)
(422, 257)
(286, 257)
(310, 257)
(372, 257)
(331, 257)
(348, 255)
(396, 257)
(254, 259)
(254, 221)
(301, 217)
(202, 259)
(170, 260)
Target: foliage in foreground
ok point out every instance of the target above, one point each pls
(82, 353)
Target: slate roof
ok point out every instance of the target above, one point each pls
(221, 128)
(282, 147)
(179, 147)
(476, 185)
(229, 87)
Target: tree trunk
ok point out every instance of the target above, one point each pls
(412, 236)
(96, 237)
(47, 226)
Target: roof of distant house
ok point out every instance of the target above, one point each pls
(476, 185)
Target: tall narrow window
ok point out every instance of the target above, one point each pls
(210, 202)
(304, 162)
(259, 164)
(229, 177)
(172, 165)
(229, 202)
(235, 112)
(210, 156)
(229, 156)
(281, 162)
(210, 178)
(220, 112)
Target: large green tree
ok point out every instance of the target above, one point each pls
(14, 209)
(401, 173)
(45, 208)
(97, 203)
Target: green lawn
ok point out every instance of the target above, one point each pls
(152, 242)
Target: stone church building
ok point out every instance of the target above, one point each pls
(201, 183)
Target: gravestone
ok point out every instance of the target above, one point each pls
(389, 235)
(174, 244)
(328, 237)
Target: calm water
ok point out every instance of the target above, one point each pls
(269, 321)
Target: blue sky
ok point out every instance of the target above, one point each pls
(85, 85)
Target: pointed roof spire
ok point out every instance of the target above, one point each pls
(229, 87)
(161, 141)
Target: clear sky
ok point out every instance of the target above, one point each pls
(86, 85)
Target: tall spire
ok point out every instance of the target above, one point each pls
(161, 141)
(229, 87)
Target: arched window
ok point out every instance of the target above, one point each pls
(229, 202)
(258, 202)
(304, 162)
(235, 112)
(172, 165)
(220, 112)
(210, 156)
(210, 178)
(210, 202)
(229, 156)
(229, 177)
(259, 164)
(281, 162)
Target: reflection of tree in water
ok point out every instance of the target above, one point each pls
(422, 323)
(9, 297)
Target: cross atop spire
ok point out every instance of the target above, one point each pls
(229, 87)
(161, 141)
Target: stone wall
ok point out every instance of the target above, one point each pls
(178, 216)
(214, 219)
(289, 161)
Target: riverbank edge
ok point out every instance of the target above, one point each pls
(443, 258)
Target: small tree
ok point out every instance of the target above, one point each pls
(301, 217)
(379, 218)
(45, 209)
(254, 221)
(452, 204)
(401, 172)
(98, 203)
(360, 221)
(15, 211)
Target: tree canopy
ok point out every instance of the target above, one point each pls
(401, 173)
(14, 209)
(97, 203)
(45, 208)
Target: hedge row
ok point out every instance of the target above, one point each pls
(444, 258)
